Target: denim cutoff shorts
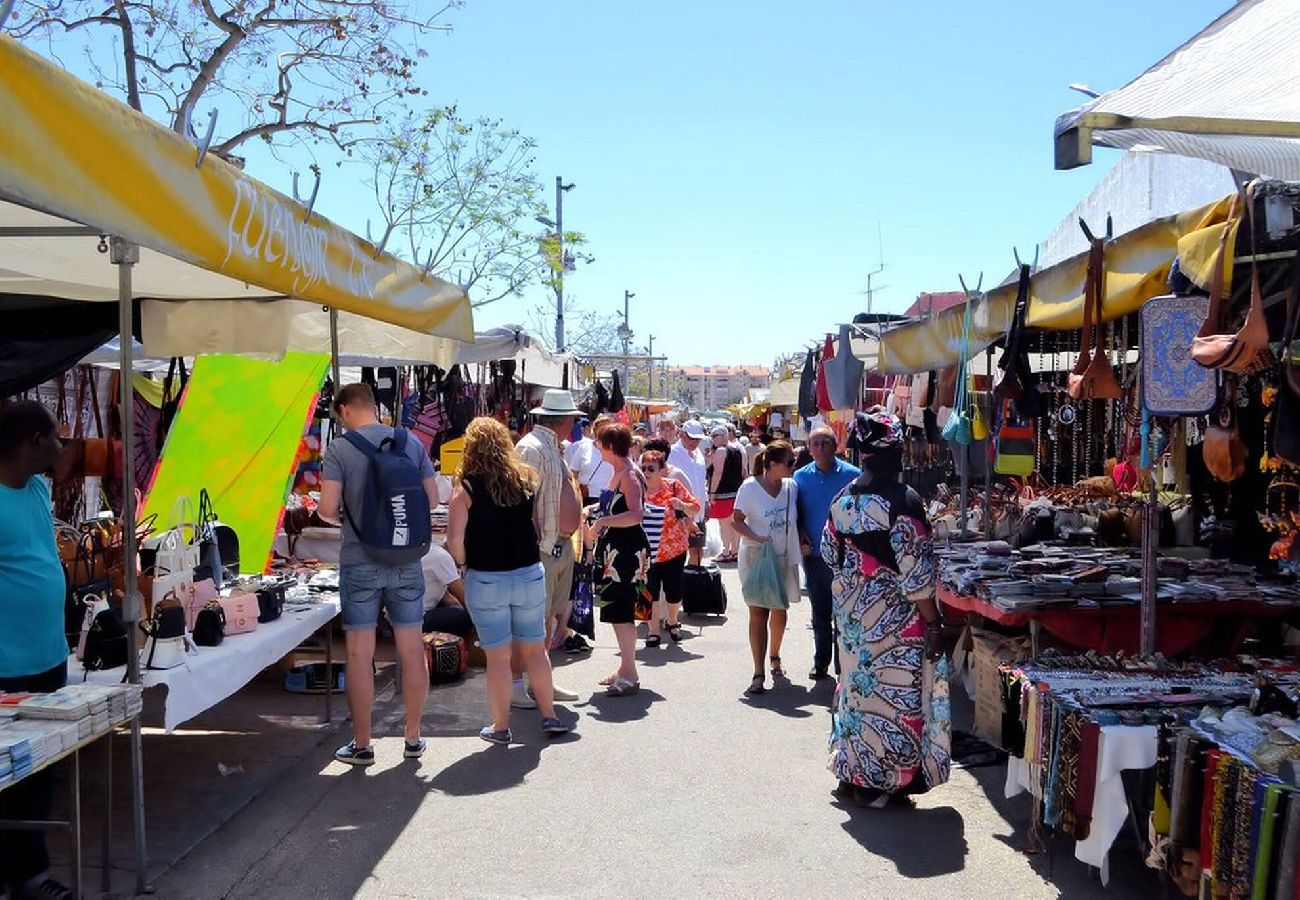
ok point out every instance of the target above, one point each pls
(362, 588)
(507, 606)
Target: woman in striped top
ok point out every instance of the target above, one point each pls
(669, 558)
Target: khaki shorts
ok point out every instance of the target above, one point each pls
(559, 579)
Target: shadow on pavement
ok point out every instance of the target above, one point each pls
(622, 709)
(704, 621)
(894, 832)
(795, 701)
(654, 657)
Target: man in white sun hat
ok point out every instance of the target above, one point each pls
(558, 515)
(687, 456)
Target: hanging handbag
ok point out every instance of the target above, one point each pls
(173, 389)
(1015, 447)
(1174, 384)
(1223, 448)
(979, 426)
(95, 454)
(957, 430)
(1286, 418)
(176, 549)
(1093, 377)
(1247, 351)
(582, 611)
(209, 625)
(87, 577)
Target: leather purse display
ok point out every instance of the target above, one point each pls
(1286, 420)
(270, 603)
(957, 430)
(1093, 377)
(1015, 447)
(1223, 448)
(165, 643)
(1247, 351)
(210, 625)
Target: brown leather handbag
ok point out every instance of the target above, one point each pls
(1093, 377)
(1223, 449)
(1247, 351)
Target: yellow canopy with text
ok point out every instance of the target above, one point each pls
(1137, 266)
(69, 150)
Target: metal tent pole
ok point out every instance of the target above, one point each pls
(988, 457)
(334, 351)
(124, 255)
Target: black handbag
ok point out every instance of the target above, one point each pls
(210, 625)
(270, 603)
(106, 644)
(86, 576)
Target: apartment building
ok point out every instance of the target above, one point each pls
(714, 387)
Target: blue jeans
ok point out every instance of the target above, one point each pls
(818, 576)
(507, 606)
(362, 588)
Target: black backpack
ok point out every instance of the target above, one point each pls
(105, 641)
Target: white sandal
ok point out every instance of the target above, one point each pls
(623, 688)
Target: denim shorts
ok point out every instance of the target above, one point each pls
(507, 606)
(399, 588)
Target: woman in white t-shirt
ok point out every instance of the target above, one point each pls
(766, 511)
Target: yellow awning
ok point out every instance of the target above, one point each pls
(1137, 266)
(68, 149)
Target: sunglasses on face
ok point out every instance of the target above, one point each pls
(650, 469)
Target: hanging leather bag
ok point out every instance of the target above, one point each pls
(1286, 419)
(1223, 449)
(95, 453)
(1247, 351)
(1093, 377)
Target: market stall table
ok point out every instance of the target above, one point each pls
(211, 674)
(1111, 629)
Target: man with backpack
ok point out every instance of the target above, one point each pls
(378, 484)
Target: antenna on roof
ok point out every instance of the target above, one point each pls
(871, 291)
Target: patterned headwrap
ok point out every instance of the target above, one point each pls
(875, 429)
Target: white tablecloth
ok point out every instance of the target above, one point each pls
(211, 674)
(1119, 747)
(323, 544)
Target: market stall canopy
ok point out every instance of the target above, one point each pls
(1137, 267)
(77, 155)
(1227, 95)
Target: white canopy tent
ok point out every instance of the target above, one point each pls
(1228, 95)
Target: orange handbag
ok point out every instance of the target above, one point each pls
(1093, 377)
(1247, 351)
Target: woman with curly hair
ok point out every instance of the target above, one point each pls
(891, 730)
(492, 535)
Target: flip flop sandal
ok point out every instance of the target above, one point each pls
(756, 686)
(623, 688)
(675, 632)
(608, 680)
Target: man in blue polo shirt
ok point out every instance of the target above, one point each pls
(819, 482)
(33, 648)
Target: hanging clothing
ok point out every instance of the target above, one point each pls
(808, 386)
(844, 374)
(823, 388)
(892, 729)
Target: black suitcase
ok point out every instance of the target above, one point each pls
(702, 591)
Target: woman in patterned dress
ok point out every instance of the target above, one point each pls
(622, 557)
(891, 732)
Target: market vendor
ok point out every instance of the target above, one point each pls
(444, 594)
(33, 647)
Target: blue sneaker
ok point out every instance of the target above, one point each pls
(555, 727)
(353, 755)
(496, 737)
(414, 749)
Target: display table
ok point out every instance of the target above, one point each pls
(211, 674)
(1119, 747)
(1111, 629)
(322, 544)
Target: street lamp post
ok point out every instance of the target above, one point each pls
(566, 262)
(650, 369)
(625, 334)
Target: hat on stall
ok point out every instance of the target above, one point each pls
(693, 429)
(557, 402)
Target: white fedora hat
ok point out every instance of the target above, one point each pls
(557, 402)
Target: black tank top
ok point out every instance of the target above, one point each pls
(732, 476)
(498, 538)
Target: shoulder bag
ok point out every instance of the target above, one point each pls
(165, 643)
(1286, 418)
(1247, 351)
(1015, 446)
(210, 625)
(1223, 448)
(957, 430)
(1093, 377)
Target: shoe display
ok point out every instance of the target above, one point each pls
(353, 755)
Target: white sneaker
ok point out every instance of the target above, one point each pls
(521, 699)
(562, 694)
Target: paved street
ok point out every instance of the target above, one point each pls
(688, 789)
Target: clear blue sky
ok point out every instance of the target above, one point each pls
(733, 158)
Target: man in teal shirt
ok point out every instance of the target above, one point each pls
(33, 647)
(819, 482)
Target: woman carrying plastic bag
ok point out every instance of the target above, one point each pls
(764, 517)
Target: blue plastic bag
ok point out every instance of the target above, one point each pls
(764, 585)
(582, 615)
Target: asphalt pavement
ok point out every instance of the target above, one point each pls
(689, 788)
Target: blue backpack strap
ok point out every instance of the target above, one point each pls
(361, 444)
(399, 440)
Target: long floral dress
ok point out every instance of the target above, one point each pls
(622, 561)
(892, 728)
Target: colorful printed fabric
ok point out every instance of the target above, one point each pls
(892, 727)
(309, 460)
(676, 532)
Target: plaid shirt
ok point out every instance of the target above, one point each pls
(540, 448)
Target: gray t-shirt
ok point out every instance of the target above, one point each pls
(344, 463)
